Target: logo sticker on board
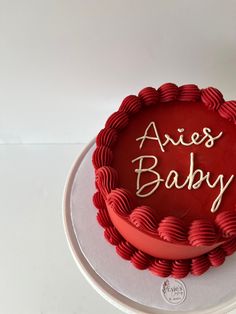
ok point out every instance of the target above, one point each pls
(173, 291)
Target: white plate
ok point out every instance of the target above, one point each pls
(127, 288)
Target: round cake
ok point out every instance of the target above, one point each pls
(165, 166)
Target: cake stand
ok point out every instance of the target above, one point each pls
(129, 289)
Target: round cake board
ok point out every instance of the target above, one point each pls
(117, 280)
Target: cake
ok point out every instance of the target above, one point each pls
(165, 166)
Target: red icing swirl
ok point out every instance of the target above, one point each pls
(112, 235)
(168, 92)
(106, 137)
(180, 268)
(172, 229)
(161, 267)
(226, 222)
(121, 201)
(118, 120)
(98, 200)
(102, 156)
(216, 257)
(103, 218)
(131, 104)
(202, 233)
(143, 218)
(148, 96)
(189, 92)
(229, 247)
(141, 260)
(106, 179)
(199, 265)
(212, 98)
(125, 250)
(228, 110)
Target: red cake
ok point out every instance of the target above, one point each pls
(165, 166)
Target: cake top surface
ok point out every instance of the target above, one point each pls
(177, 158)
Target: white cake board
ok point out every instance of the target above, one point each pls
(129, 289)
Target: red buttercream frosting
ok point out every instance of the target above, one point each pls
(216, 257)
(148, 96)
(212, 98)
(107, 137)
(172, 229)
(168, 92)
(98, 200)
(131, 104)
(112, 235)
(202, 233)
(228, 110)
(161, 267)
(140, 260)
(229, 247)
(142, 217)
(102, 156)
(125, 250)
(118, 120)
(189, 92)
(120, 200)
(103, 218)
(226, 221)
(180, 268)
(169, 220)
(106, 180)
(200, 265)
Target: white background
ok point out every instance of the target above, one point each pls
(64, 67)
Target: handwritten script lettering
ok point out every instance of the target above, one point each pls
(195, 178)
(207, 138)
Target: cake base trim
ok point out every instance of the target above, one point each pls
(163, 267)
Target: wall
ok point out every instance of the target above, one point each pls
(66, 65)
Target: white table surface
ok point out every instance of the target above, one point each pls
(37, 271)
